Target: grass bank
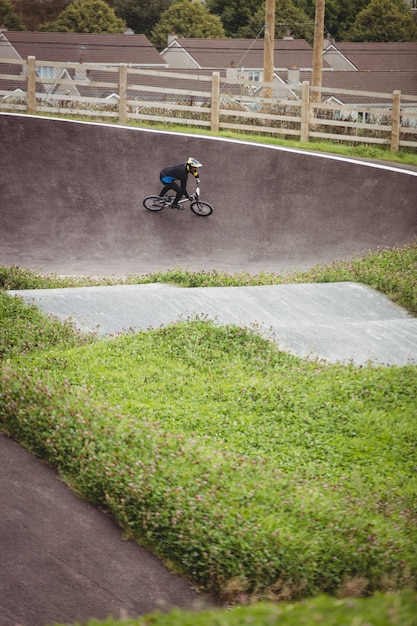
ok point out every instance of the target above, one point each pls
(396, 609)
(255, 474)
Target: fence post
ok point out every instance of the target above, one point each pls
(305, 111)
(123, 93)
(31, 86)
(395, 121)
(215, 102)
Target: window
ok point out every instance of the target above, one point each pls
(254, 75)
(45, 71)
(363, 117)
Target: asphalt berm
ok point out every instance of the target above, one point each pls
(71, 204)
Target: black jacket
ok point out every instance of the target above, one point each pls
(176, 172)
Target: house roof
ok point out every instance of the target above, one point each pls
(375, 56)
(86, 47)
(376, 82)
(246, 53)
(373, 82)
(187, 80)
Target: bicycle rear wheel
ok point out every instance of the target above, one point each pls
(201, 208)
(154, 203)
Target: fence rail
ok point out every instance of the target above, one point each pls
(208, 100)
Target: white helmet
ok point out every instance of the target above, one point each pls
(192, 165)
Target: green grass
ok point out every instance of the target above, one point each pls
(255, 474)
(358, 150)
(381, 610)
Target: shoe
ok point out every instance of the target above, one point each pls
(177, 206)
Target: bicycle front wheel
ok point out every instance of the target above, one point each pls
(153, 203)
(201, 208)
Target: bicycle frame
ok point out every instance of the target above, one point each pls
(198, 207)
(192, 198)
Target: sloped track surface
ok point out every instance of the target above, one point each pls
(71, 202)
(63, 560)
(343, 322)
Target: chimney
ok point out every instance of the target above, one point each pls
(294, 75)
(172, 37)
(80, 71)
(231, 71)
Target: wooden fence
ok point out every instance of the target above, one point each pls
(208, 100)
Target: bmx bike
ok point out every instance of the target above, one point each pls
(197, 206)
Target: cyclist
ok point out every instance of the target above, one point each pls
(179, 172)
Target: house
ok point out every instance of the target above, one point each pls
(374, 67)
(377, 89)
(82, 48)
(371, 56)
(370, 67)
(185, 68)
(237, 56)
(378, 81)
(100, 48)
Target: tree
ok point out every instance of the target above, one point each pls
(308, 6)
(186, 19)
(36, 12)
(234, 14)
(384, 20)
(288, 18)
(340, 15)
(8, 16)
(140, 15)
(246, 18)
(87, 16)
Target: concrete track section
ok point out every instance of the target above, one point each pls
(63, 560)
(343, 322)
(71, 202)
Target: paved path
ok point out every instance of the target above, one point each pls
(63, 560)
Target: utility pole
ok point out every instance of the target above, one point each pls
(316, 79)
(269, 41)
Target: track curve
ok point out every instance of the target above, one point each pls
(71, 202)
